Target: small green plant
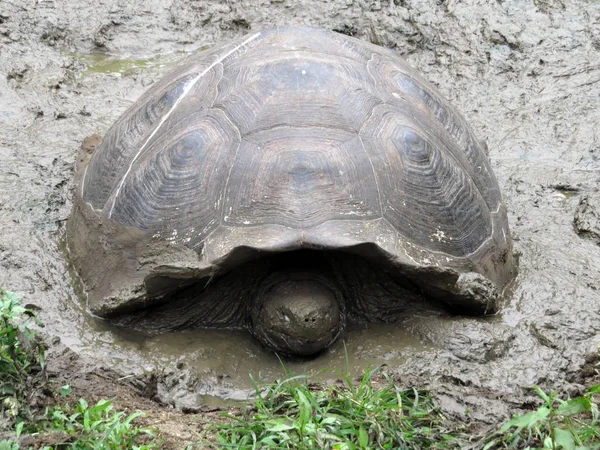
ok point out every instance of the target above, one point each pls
(571, 424)
(20, 354)
(290, 414)
(98, 428)
(9, 445)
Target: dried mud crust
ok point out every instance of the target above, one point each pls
(525, 74)
(589, 375)
(587, 217)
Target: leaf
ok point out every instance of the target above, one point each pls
(305, 409)
(42, 358)
(280, 427)
(132, 417)
(527, 420)
(330, 420)
(574, 406)
(350, 445)
(82, 404)
(9, 445)
(65, 390)
(363, 437)
(19, 429)
(490, 445)
(564, 438)
(593, 389)
(100, 444)
(86, 420)
(541, 394)
(269, 440)
(101, 406)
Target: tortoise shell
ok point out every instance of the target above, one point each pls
(288, 139)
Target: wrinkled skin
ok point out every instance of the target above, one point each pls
(523, 73)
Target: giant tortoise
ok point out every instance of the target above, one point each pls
(288, 182)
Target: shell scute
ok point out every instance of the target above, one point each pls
(300, 179)
(179, 182)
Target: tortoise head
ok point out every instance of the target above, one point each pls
(297, 313)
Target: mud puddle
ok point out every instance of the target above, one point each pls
(525, 74)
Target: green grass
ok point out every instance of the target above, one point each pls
(373, 413)
(84, 427)
(22, 356)
(292, 414)
(571, 424)
(97, 427)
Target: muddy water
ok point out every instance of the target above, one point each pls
(526, 74)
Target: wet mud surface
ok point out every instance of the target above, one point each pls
(526, 75)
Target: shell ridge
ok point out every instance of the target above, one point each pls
(258, 131)
(436, 140)
(232, 163)
(289, 54)
(122, 140)
(362, 144)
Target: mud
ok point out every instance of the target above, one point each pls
(526, 74)
(587, 216)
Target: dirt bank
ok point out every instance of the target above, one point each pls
(526, 74)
